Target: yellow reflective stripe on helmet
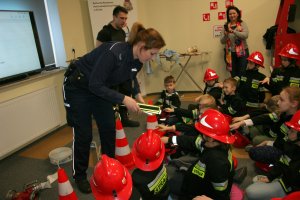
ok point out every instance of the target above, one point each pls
(159, 182)
(220, 186)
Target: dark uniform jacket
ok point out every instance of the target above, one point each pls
(233, 105)
(250, 89)
(287, 168)
(211, 174)
(278, 129)
(187, 120)
(283, 77)
(106, 67)
(214, 91)
(152, 184)
(168, 100)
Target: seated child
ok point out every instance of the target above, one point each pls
(231, 104)
(188, 117)
(250, 88)
(211, 87)
(212, 173)
(169, 98)
(260, 133)
(269, 151)
(288, 74)
(284, 177)
(150, 177)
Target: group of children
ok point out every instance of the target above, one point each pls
(206, 134)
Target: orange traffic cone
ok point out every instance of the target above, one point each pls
(123, 153)
(152, 122)
(65, 190)
(151, 119)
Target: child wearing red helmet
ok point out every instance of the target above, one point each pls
(288, 74)
(250, 88)
(212, 87)
(150, 177)
(212, 173)
(284, 176)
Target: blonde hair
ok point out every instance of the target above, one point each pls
(211, 101)
(149, 36)
(272, 104)
(231, 81)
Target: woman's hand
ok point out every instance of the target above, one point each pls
(169, 110)
(131, 104)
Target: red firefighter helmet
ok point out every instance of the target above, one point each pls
(295, 121)
(257, 58)
(111, 180)
(215, 125)
(291, 196)
(290, 51)
(148, 151)
(241, 141)
(210, 74)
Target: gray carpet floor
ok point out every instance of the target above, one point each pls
(15, 171)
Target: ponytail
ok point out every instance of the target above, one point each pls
(150, 36)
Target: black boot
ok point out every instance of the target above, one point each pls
(83, 186)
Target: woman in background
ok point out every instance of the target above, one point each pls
(234, 37)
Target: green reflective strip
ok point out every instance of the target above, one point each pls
(253, 105)
(220, 186)
(159, 182)
(273, 116)
(195, 114)
(199, 169)
(231, 110)
(284, 187)
(271, 133)
(285, 160)
(284, 129)
(198, 142)
(230, 159)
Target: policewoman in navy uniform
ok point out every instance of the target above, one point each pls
(212, 173)
(88, 91)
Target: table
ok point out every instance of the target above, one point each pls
(184, 66)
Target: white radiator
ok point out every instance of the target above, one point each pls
(27, 118)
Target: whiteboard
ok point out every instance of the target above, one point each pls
(101, 13)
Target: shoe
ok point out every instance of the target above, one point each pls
(83, 186)
(130, 123)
